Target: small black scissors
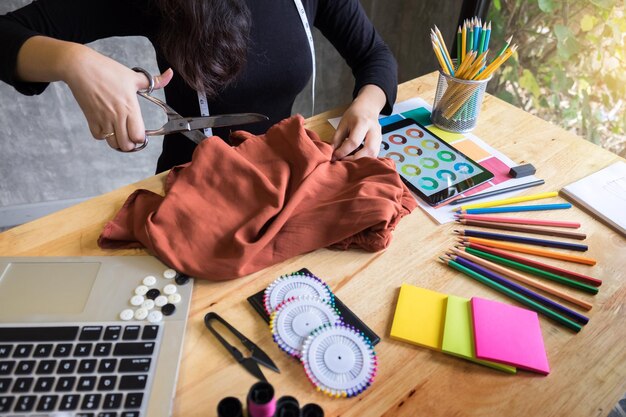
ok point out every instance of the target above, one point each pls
(189, 126)
(257, 356)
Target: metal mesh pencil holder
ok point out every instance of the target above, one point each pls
(457, 103)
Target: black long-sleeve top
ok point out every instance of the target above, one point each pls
(278, 62)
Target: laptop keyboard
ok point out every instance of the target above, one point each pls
(90, 370)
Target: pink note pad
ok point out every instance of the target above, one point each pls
(508, 334)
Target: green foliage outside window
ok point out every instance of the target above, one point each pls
(570, 68)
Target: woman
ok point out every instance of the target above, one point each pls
(244, 55)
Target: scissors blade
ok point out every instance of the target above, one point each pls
(262, 358)
(186, 124)
(252, 367)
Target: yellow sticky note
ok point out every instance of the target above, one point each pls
(445, 135)
(458, 336)
(419, 316)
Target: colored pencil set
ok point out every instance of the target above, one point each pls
(473, 39)
(486, 257)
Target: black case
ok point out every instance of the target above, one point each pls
(347, 315)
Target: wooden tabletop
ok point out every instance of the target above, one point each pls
(588, 369)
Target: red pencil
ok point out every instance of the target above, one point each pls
(518, 220)
(559, 271)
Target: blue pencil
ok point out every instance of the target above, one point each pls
(513, 209)
(523, 239)
(521, 289)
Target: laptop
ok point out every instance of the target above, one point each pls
(65, 349)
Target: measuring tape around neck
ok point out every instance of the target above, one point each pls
(202, 98)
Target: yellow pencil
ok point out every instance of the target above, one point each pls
(467, 61)
(443, 45)
(512, 200)
(499, 61)
(463, 41)
(444, 67)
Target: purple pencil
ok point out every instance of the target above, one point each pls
(520, 289)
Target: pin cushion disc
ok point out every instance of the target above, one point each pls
(295, 285)
(339, 360)
(295, 318)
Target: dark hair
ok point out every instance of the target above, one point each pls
(205, 41)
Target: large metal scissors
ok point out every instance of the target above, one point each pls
(191, 127)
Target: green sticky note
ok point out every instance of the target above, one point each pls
(445, 135)
(421, 115)
(458, 338)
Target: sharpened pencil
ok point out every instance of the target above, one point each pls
(515, 209)
(512, 200)
(523, 239)
(519, 220)
(539, 265)
(531, 250)
(523, 228)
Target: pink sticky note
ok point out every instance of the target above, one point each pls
(508, 334)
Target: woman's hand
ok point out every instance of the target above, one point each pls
(359, 126)
(107, 94)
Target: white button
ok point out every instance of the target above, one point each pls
(127, 314)
(141, 290)
(155, 316)
(149, 281)
(174, 298)
(169, 274)
(137, 300)
(169, 289)
(148, 304)
(141, 314)
(160, 301)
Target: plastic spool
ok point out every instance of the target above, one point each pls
(295, 285)
(339, 360)
(295, 319)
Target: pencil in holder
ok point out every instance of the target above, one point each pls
(457, 103)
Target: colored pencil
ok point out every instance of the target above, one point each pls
(497, 63)
(470, 37)
(487, 36)
(522, 278)
(514, 209)
(464, 42)
(539, 265)
(521, 289)
(506, 45)
(534, 271)
(531, 250)
(512, 200)
(524, 229)
(500, 191)
(437, 42)
(459, 55)
(512, 294)
(477, 35)
(519, 220)
(440, 58)
(442, 43)
(523, 239)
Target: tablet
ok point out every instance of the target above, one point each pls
(430, 167)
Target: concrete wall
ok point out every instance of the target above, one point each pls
(48, 158)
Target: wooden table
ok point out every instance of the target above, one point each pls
(588, 369)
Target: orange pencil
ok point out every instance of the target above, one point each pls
(530, 250)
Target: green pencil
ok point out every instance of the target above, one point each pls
(481, 44)
(459, 40)
(532, 270)
(512, 294)
(506, 45)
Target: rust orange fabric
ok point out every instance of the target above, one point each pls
(235, 210)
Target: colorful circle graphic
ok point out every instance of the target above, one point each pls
(398, 157)
(430, 144)
(428, 183)
(397, 139)
(414, 133)
(413, 150)
(429, 163)
(411, 170)
(446, 156)
(385, 146)
(445, 175)
(463, 168)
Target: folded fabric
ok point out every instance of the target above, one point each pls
(235, 210)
